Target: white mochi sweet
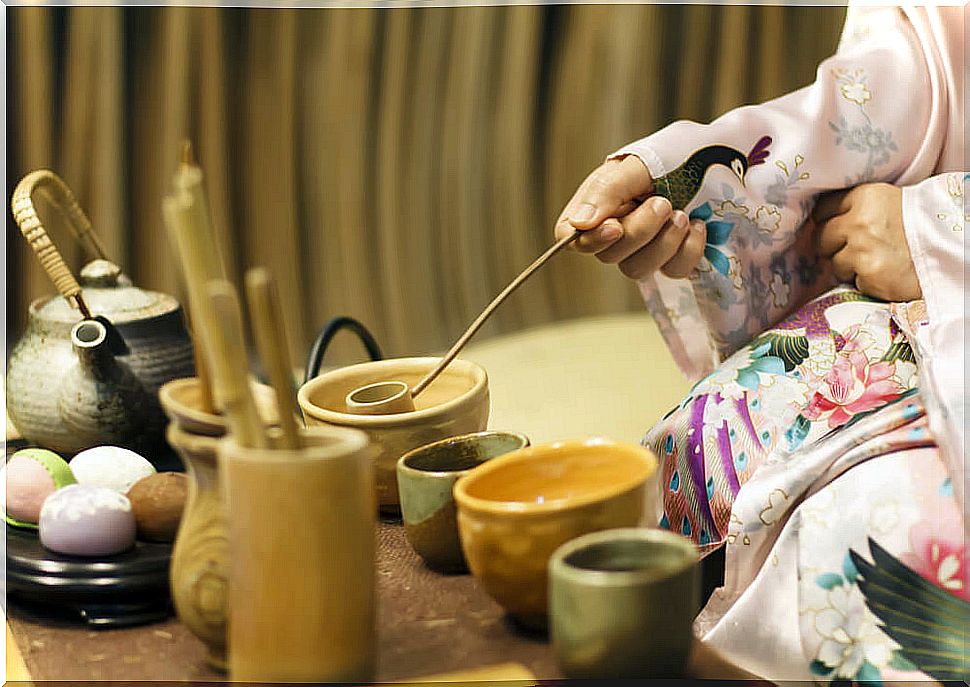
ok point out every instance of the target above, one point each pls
(111, 467)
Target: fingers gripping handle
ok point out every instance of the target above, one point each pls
(33, 230)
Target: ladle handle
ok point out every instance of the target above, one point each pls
(22, 205)
(487, 312)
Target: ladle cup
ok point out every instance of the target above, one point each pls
(381, 398)
(390, 397)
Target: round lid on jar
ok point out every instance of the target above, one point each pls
(110, 293)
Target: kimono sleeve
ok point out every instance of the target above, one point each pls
(935, 221)
(864, 119)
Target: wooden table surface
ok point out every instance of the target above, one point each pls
(428, 624)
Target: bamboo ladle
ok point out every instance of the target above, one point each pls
(385, 398)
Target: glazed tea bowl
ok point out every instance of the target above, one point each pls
(622, 602)
(455, 403)
(426, 477)
(516, 510)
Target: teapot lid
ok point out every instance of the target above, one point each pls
(110, 293)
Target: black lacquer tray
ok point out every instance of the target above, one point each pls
(126, 589)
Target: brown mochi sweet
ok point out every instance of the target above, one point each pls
(157, 502)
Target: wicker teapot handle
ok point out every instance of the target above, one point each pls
(25, 214)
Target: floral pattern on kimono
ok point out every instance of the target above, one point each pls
(819, 540)
(839, 357)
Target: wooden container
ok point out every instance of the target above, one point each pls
(199, 574)
(302, 592)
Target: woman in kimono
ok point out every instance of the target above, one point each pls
(804, 261)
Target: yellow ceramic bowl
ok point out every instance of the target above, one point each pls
(456, 402)
(516, 510)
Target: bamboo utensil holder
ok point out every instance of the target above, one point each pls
(302, 595)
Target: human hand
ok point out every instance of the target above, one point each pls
(623, 225)
(861, 231)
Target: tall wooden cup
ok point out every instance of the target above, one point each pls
(302, 598)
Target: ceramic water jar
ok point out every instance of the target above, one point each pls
(455, 403)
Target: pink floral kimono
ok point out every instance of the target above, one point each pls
(823, 442)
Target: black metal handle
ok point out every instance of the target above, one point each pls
(319, 348)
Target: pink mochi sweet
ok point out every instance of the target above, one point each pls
(28, 484)
(30, 476)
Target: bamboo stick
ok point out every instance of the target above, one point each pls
(226, 352)
(189, 180)
(187, 218)
(264, 313)
(177, 229)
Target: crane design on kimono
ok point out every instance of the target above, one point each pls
(929, 624)
(682, 184)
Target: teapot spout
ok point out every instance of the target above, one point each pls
(90, 341)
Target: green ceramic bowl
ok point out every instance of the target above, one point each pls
(622, 603)
(425, 479)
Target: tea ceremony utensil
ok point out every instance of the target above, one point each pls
(190, 231)
(384, 398)
(303, 568)
(88, 368)
(631, 592)
(264, 311)
(226, 352)
(426, 478)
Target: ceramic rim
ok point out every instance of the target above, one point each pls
(646, 458)
(461, 438)
(560, 567)
(335, 417)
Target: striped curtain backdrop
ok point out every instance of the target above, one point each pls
(399, 166)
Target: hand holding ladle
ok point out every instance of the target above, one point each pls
(392, 396)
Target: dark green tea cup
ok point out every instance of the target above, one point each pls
(622, 603)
